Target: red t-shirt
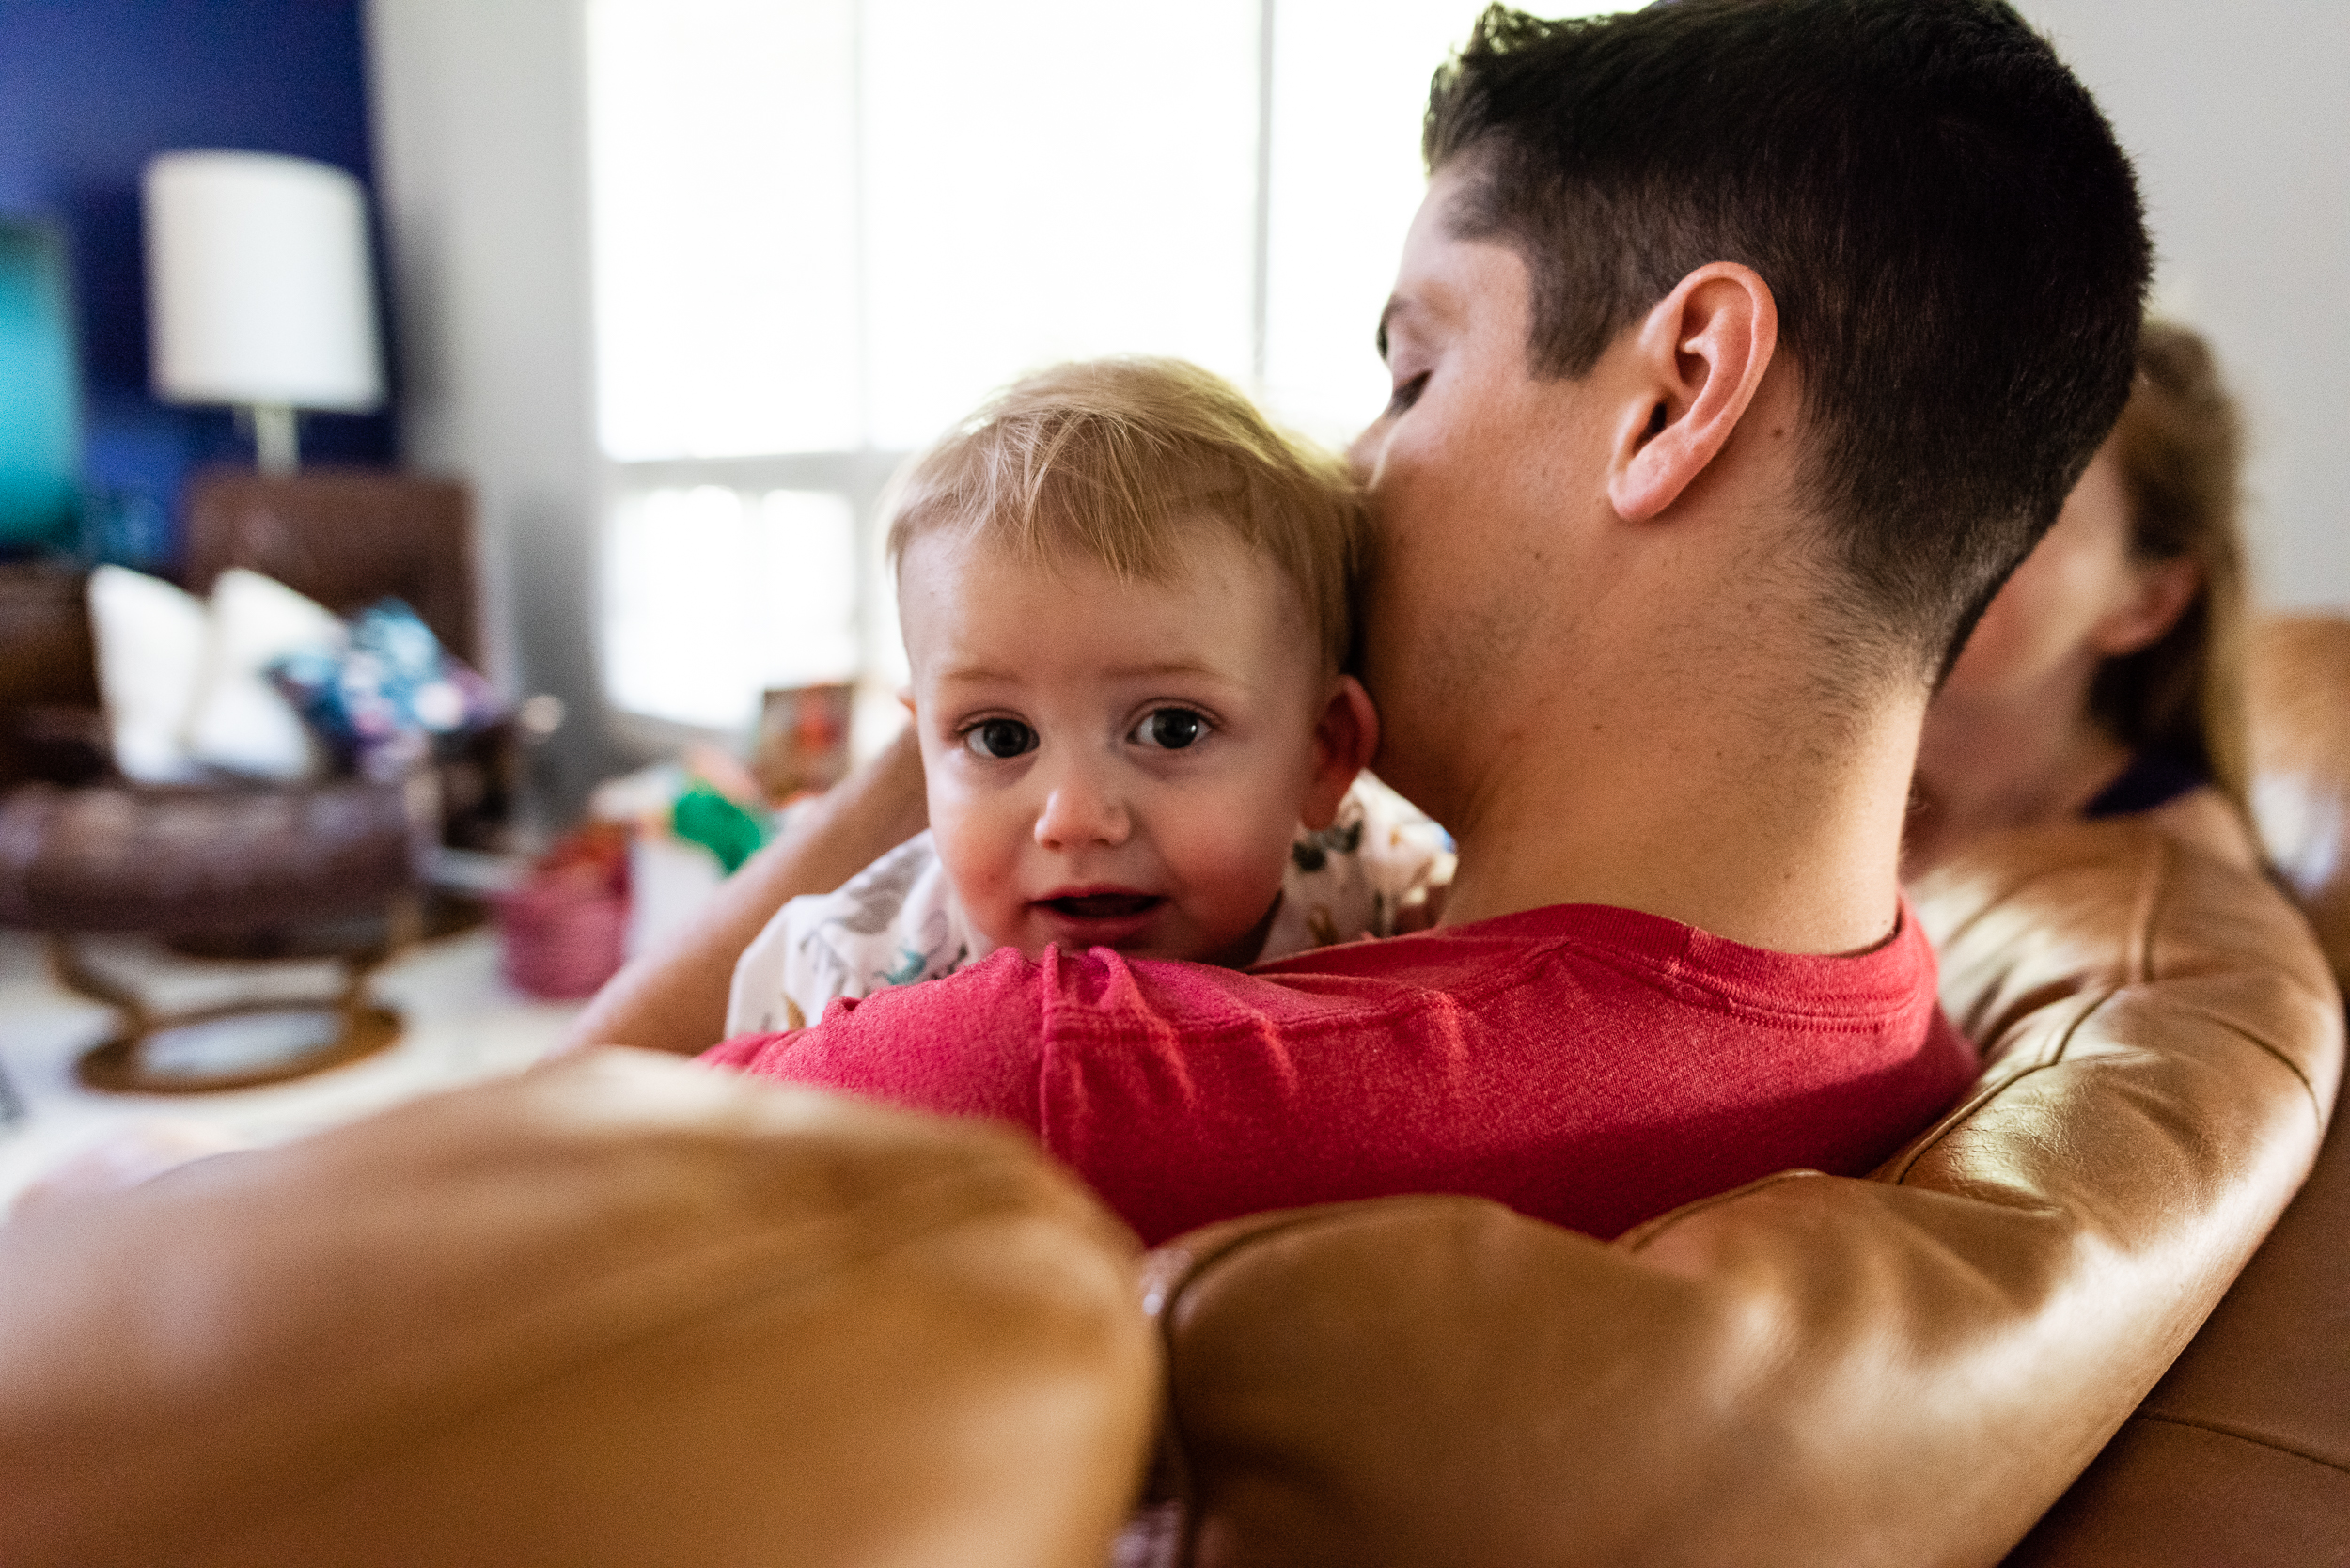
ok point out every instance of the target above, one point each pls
(1582, 1064)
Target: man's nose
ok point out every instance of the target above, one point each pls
(1081, 808)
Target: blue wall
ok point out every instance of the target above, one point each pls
(90, 90)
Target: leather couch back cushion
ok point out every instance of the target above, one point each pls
(2241, 1454)
(2297, 692)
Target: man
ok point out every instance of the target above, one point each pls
(1740, 350)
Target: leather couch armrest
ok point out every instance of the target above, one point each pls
(620, 1309)
(1811, 1370)
(2241, 1456)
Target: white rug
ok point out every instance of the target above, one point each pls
(460, 1024)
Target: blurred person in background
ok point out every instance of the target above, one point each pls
(2107, 678)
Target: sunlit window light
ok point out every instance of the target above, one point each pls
(1350, 85)
(829, 227)
(713, 595)
(1052, 181)
(724, 174)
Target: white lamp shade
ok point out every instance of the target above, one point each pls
(259, 286)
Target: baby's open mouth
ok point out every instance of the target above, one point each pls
(1104, 906)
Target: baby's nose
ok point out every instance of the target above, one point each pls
(1080, 810)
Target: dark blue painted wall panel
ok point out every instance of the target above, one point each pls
(89, 90)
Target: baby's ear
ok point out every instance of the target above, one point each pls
(1345, 736)
(905, 697)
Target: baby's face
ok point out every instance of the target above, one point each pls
(1111, 763)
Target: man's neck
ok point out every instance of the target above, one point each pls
(1754, 814)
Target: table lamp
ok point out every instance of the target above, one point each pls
(259, 293)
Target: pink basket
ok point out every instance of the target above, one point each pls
(561, 942)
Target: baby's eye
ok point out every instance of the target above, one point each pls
(1407, 393)
(1000, 737)
(1170, 729)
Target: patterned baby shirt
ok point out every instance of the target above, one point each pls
(898, 921)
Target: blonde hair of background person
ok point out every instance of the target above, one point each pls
(2111, 664)
(2180, 446)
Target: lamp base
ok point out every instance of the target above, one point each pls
(276, 440)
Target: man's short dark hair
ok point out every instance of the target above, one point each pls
(1950, 232)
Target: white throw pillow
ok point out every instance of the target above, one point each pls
(151, 640)
(186, 687)
(237, 721)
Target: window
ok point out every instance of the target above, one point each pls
(823, 231)
(752, 575)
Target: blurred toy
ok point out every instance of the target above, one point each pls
(692, 824)
(802, 740)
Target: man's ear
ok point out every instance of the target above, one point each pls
(2160, 593)
(1697, 359)
(1344, 737)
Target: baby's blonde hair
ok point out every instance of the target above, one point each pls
(1112, 460)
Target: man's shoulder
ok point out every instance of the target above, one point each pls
(1562, 971)
(1392, 983)
(1098, 994)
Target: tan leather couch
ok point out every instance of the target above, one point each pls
(2241, 1456)
(621, 1311)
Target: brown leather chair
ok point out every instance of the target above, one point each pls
(332, 869)
(347, 537)
(344, 537)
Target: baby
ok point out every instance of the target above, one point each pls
(1125, 605)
